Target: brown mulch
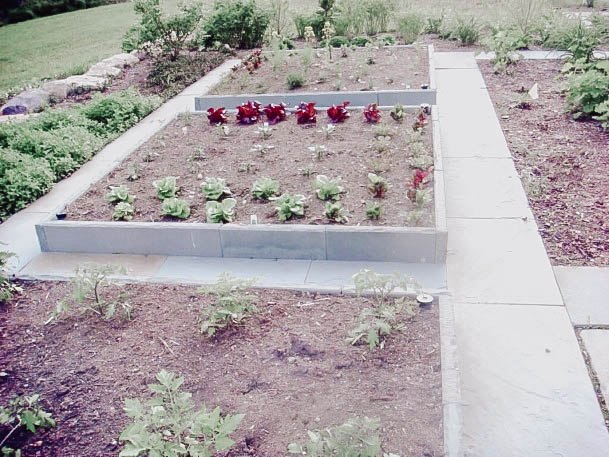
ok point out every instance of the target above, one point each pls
(192, 150)
(565, 163)
(288, 369)
(362, 69)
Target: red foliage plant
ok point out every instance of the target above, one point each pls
(249, 113)
(372, 113)
(275, 113)
(421, 120)
(306, 113)
(217, 116)
(338, 113)
(419, 178)
(253, 61)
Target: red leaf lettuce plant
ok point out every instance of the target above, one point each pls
(306, 113)
(217, 116)
(338, 113)
(249, 113)
(372, 113)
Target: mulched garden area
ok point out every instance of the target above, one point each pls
(368, 68)
(564, 163)
(191, 149)
(288, 369)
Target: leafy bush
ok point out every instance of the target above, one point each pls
(410, 26)
(265, 188)
(123, 211)
(335, 212)
(504, 44)
(360, 41)
(327, 188)
(23, 179)
(169, 35)
(176, 207)
(119, 111)
(215, 188)
(377, 15)
(87, 286)
(338, 41)
(168, 424)
(289, 206)
(588, 93)
(26, 412)
(237, 23)
(166, 187)
(358, 437)
(231, 304)
(218, 212)
(118, 194)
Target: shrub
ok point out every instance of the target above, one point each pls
(360, 41)
(467, 31)
(588, 93)
(165, 35)
(26, 412)
(24, 10)
(237, 23)
(169, 425)
(218, 212)
(410, 26)
(176, 207)
(377, 15)
(23, 179)
(338, 41)
(434, 24)
(119, 111)
(231, 304)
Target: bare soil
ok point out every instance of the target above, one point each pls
(362, 69)
(192, 150)
(288, 369)
(563, 162)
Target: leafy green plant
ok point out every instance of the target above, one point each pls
(319, 151)
(23, 411)
(328, 130)
(231, 304)
(176, 207)
(410, 26)
(295, 80)
(123, 211)
(377, 185)
(467, 31)
(358, 437)
(434, 24)
(7, 288)
(398, 113)
(87, 286)
(374, 210)
(265, 188)
(588, 92)
(119, 194)
(166, 187)
(218, 212)
(215, 188)
(386, 316)
(422, 198)
(335, 212)
(167, 425)
(265, 131)
(504, 44)
(377, 15)
(237, 23)
(289, 206)
(328, 188)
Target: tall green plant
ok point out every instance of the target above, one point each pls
(238, 23)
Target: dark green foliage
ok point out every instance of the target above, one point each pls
(170, 77)
(467, 31)
(338, 41)
(118, 111)
(588, 93)
(360, 41)
(23, 179)
(238, 23)
(23, 10)
(295, 81)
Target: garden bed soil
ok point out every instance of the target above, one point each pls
(393, 69)
(563, 162)
(288, 369)
(192, 150)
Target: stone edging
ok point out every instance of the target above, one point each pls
(95, 79)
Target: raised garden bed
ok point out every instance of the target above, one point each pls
(288, 369)
(563, 163)
(362, 69)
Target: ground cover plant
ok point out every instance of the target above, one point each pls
(561, 161)
(356, 165)
(40, 151)
(287, 369)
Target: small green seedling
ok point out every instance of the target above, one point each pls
(26, 412)
(374, 211)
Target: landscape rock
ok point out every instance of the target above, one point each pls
(121, 60)
(103, 70)
(32, 99)
(58, 89)
(12, 110)
(83, 83)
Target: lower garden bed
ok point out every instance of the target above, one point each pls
(562, 162)
(288, 369)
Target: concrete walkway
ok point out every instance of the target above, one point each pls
(522, 386)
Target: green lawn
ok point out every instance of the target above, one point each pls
(68, 43)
